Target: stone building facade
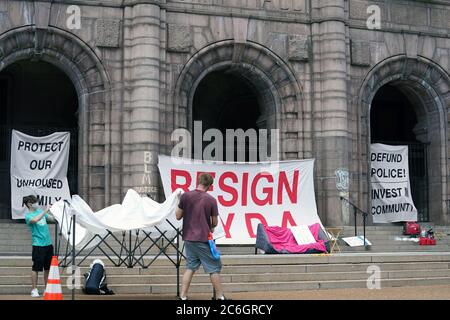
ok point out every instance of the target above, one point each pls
(314, 66)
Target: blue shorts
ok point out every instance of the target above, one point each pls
(199, 253)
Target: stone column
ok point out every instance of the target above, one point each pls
(141, 118)
(330, 114)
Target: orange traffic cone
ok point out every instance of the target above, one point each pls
(53, 291)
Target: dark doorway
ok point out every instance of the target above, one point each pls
(38, 99)
(227, 101)
(392, 121)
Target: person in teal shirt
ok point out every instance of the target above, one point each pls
(42, 253)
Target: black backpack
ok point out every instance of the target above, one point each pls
(95, 280)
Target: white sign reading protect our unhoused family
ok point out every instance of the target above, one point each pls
(248, 194)
(38, 167)
(391, 193)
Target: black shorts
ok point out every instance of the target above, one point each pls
(42, 257)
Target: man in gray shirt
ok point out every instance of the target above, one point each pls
(200, 214)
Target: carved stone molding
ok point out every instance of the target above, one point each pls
(108, 33)
(179, 38)
(298, 48)
(360, 53)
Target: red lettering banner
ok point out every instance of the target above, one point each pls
(275, 194)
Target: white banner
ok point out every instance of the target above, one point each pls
(391, 192)
(38, 167)
(276, 194)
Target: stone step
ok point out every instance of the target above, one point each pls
(363, 267)
(373, 233)
(379, 227)
(62, 250)
(288, 259)
(389, 245)
(6, 241)
(392, 244)
(23, 226)
(377, 245)
(246, 278)
(25, 261)
(376, 235)
(243, 287)
(394, 248)
(400, 248)
(228, 269)
(117, 248)
(111, 242)
(285, 286)
(337, 258)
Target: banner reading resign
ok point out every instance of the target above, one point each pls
(391, 195)
(248, 194)
(38, 167)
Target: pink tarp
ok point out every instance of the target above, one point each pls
(282, 239)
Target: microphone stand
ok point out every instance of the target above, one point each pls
(364, 216)
(73, 249)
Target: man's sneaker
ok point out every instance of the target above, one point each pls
(35, 293)
(182, 298)
(223, 298)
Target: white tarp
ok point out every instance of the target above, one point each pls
(391, 192)
(38, 167)
(273, 193)
(134, 213)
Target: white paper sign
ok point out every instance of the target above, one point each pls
(38, 167)
(356, 241)
(303, 235)
(391, 192)
(248, 194)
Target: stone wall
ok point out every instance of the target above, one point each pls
(141, 55)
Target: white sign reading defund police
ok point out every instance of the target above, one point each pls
(38, 167)
(391, 195)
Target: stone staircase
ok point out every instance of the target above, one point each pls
(402, 263)
(250, 273)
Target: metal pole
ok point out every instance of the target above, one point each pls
(356, 215)
(364, 227)
(56, 239)
(178, 263)
(73, 257)
(130, 260)
(427, 186)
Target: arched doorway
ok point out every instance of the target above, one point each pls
(37, 98)
(81, 64)
(423, 87)
(225, 100)
(394, 121)
(266, 83)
